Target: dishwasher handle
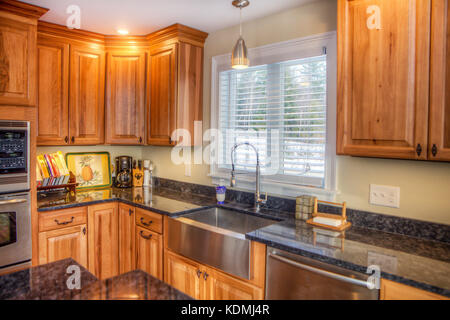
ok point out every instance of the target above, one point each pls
(320, 271)
(12, 201)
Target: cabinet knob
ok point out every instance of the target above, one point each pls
(66, 139)
(419, 150)
(73, 139)
(130, 212)
(140, 139)
(84, 230)
(434, 150)
(199, 273)
(205, 275)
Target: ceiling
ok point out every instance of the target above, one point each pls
(144, 16)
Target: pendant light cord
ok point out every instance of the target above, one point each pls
(240, 22)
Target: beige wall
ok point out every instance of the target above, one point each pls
(425, 186)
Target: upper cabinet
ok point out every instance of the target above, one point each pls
(439, 140)
(125, 97)
(18, 53)
(383, 78)
(87, 91)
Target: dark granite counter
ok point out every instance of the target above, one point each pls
(421, 263)
(160, 200)
(49, 282)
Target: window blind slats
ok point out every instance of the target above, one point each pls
(279, 108)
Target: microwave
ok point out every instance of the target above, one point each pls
(14, 156)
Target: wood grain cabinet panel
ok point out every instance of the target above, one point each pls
(17, 60)
(439, 145)
(182, 274)
(163, 87)
(383, 78)
(103, 240)
(149, 252)
(53, 91)
(127, 247)
(86, 101)
(125, 98)
(70, 242)
(391, 290)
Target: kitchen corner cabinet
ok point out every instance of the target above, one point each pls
(127, 257)
(383, 78)
(69, 242)
(125, 97)
(17, 58)
(86, 99)
(175, 85)
(439, 139)
(103, 242)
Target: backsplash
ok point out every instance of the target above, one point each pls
(365, 219)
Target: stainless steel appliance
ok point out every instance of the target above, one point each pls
(15, 230)
(14, 156)
(293, 277)
(124, 176)
(216, 237)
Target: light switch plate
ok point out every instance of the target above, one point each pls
(386, 196)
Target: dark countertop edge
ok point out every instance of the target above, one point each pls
(347, 265)
(250, 236)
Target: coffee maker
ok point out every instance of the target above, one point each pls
(124, 175)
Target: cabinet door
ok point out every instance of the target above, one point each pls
(17, 61)
(70, 242)
(127, 257)
(125, 98)
(439, 146)
(396, 291)
(53, 92)
(86, 103)
(220, 286)
(182, 274)
(149, 251)
(162, 114)
(103, 240)
(383, 78)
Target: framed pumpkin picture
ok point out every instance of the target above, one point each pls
(91, 169)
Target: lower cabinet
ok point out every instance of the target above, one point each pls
(103, 240)
(396, 291)
(149, 250)
(205, 283)
(69, 242)
(127, 244)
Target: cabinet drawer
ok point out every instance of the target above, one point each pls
(149, 220)
(62, 218)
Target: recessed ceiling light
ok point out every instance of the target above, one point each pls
(122, 31)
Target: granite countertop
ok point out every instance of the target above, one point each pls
(49, 282)
(424, 264)
(157, 199)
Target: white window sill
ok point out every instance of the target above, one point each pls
(246, 182)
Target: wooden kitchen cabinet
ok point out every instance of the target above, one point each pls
(86, 99)
(149, 252)
(53, 91)
(103, 240)
(127, 244)
(125, 97)
(18, 53)
(383, 78)
(69, 242)
(183, 274)
(391, 290)
(439, 139)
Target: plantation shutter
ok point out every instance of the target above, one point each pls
(280, 108)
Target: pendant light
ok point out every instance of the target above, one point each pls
(239, 56)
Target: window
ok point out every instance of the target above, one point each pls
(282, 106)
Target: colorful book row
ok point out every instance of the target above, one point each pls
(51, 170)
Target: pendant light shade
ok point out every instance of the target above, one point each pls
(239, 56)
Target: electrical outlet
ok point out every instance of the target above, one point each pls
(386, 196)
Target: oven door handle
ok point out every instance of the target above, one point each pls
(12, 201)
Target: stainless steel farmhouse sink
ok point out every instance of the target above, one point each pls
(216, 237)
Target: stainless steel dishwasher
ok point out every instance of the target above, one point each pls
(293, 277)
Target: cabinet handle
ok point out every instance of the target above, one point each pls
(73, 139)
(170, 140)
(205, 275)
(144, 236)
(434, 150)
(84, 230)
(65, 222)
(145, 223)
(140, 139)
(130, 212)
(199, 273)
(419, 150)
(66, 139)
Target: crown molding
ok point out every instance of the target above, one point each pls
(179, 32)
(74, 34)
(22, 9)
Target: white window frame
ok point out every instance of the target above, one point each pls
(273, 53)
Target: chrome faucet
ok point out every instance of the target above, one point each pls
(258, 200)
